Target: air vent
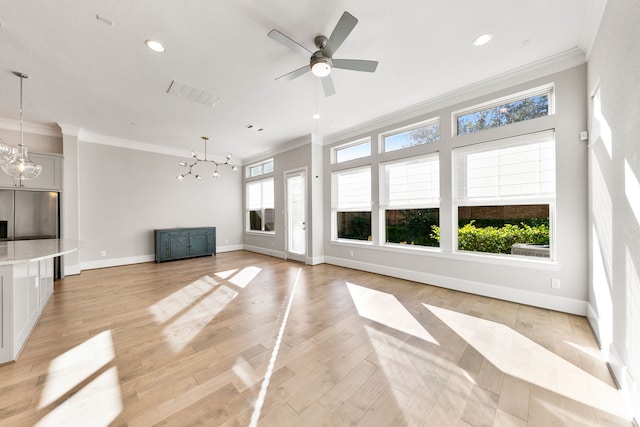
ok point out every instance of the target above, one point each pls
(181, 90)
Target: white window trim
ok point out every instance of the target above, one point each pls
(424, 123)
(361, 141)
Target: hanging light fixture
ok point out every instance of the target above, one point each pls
(197, 160)
(16, 162)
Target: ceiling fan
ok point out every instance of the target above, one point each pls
(322, 62)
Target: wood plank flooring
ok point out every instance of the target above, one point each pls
(242, 339)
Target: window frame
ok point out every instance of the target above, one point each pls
(263, 207)
(362, 141)
(385, 203)
(261, 165)
(515, 200)
(548, 89)
(384, 135)
(335, 209)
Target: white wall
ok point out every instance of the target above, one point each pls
(614, 181)
(125, 194)
(526, 281)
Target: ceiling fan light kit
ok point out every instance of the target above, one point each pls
(321, 62)
(197, 160)
(15, 162)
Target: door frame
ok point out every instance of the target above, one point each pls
(289, 255)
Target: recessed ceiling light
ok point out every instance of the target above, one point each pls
(316, 116)
(483, 39)
(154, 45)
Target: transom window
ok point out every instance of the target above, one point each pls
(422, 133)
(261, 168)
(527, 106)
(352, 150)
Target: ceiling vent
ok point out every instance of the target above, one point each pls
(181, 90)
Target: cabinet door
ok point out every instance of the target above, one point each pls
(26, 303)
(49, 179)
(46, 281)
(198, 244)
(178, 246)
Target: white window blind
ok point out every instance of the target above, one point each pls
(521, 167)
(260, 194)
(352, 190)
(414, 182)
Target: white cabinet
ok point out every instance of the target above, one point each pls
(49, 179)
(25, 289)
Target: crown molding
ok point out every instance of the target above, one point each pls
(281, 148)
(95, 138)
(591, 25)
(549, 65)
(28, 127)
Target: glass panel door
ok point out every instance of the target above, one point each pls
(296, 216)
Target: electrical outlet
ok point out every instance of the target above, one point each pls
(555, 283)
(351, 253)
(103, 253)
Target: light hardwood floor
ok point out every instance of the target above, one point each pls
(240, 337)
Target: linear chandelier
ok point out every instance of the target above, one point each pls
(197, 160)
(15, 162)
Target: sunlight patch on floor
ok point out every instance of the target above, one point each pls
(96, 404)
(170, 306)
(71, 368)
(225, 274)
(188, 325)
(518, 356)
(245, 276)
(385, 309)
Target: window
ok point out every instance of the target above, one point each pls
(495, 114)
(353, 150)
(415, 135)
(504, 192)
(260, 207)
(410, 198)
(260, 168)
(351, 204)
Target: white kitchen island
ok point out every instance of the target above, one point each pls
(26, 283)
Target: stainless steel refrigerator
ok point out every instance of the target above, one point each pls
(30, 215)
(26, 215)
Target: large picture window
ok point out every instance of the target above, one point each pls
(260, 205)
(351, 204)
(505, 193)
(410, 198)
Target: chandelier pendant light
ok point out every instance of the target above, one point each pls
(15, 162)
(197, 160)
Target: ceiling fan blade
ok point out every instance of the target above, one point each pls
(286, 41)
(327, 86)
(356, 65)
(294, 74)
(343, 28)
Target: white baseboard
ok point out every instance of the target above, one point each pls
(315, 260)
(114, 262)
(264, 251)
(567, 305)
(72, 270)
(229, 248)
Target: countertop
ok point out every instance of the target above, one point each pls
(21, 251)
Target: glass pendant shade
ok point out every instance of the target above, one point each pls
(15, 162)
(7, 153)
(21, 167)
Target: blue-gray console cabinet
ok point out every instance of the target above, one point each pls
(180, 243)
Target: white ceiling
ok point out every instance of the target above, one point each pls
(103, 79)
